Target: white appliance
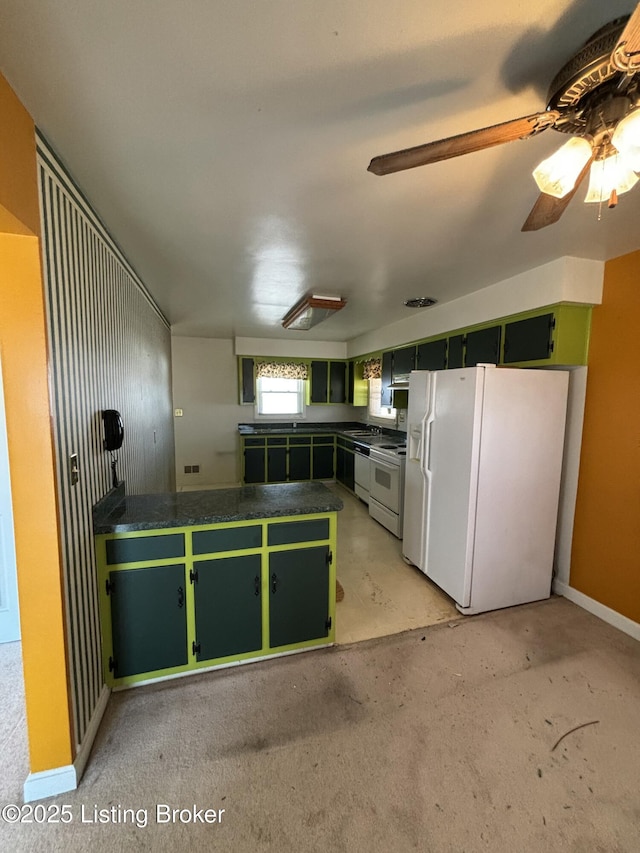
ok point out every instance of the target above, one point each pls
(482, 481)
(386, 485)
(361, 471)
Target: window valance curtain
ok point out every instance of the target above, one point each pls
(372, 369)
(281, 370)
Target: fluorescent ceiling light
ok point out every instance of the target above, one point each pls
(311, 310)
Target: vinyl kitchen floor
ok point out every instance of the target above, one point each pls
(382, 594)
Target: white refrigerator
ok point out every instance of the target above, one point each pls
(482, 481)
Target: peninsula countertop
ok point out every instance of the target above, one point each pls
(128, 513)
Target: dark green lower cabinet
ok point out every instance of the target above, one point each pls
(323, 462)
(148, 619)
(276, 464)
(298, 595)
(300, 463)
(254, 471)
(228, 604)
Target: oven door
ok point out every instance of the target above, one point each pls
(385, 484)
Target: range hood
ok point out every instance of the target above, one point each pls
(400, 382)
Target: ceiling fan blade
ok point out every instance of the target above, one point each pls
(548, 209)
(464, 143)
(626, 54)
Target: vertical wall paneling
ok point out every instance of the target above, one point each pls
(109, 348)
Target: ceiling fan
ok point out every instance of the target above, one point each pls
(595, 97)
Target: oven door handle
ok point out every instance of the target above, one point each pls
(382, 464)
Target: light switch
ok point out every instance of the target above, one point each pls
(74, 473)
(177, 413)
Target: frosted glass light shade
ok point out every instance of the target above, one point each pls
(557, 175)
(608, 175)
(626, 138)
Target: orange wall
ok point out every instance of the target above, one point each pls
(605, 560)
(23, 355)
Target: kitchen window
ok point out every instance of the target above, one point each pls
(276, 397)
(375, 409)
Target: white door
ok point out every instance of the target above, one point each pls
(9, 616)
(415, 483)
(452, 447)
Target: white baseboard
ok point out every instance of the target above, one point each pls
(59, 780)
(48, 783)
(622, 623)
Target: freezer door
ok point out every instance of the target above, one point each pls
(452, 452)
(415, 483)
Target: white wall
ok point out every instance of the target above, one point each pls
(205, 387)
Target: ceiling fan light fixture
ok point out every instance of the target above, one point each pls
(613, 174)
(626, 139)
(557, 174)
(311, 310)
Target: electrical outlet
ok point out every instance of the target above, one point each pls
(187, 469)
(195, 469)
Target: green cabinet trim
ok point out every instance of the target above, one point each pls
(184, 604)
(287, 459)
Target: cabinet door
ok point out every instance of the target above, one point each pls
(349, 470)
(483, 346)
(456, 351)
(319, 381)
(351, 381)
(337, 382)
(248, 387)
(432, 355)
(298, 595)
(254, 458)
(148, 619)
(340, 454)
(300, 462)
(323, 462)
(529, 340)
(228, 603)
(404, 360)
(387, 362)
(276, 464)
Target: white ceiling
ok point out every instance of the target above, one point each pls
(225, 144)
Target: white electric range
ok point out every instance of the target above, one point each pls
(386, 484)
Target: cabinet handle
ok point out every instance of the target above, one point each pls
(274, 582)
(256, 584)
(180, 596)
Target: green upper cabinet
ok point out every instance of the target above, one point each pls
(456, 351)
(319, 381)
(404, 361)
(337, 382)
(432, 355)
(328, 382)
(247, 380)
(483, 346)
(387, 377)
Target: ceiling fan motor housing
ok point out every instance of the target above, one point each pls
(590, 93)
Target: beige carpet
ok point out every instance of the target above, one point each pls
(436, 740)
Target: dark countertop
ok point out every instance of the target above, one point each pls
(340, 428)
(213, 506)
(302, 427)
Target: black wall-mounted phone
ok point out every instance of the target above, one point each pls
(113, 429)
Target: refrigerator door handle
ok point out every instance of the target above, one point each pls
(426, 444)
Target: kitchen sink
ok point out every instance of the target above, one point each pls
(360, 432)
